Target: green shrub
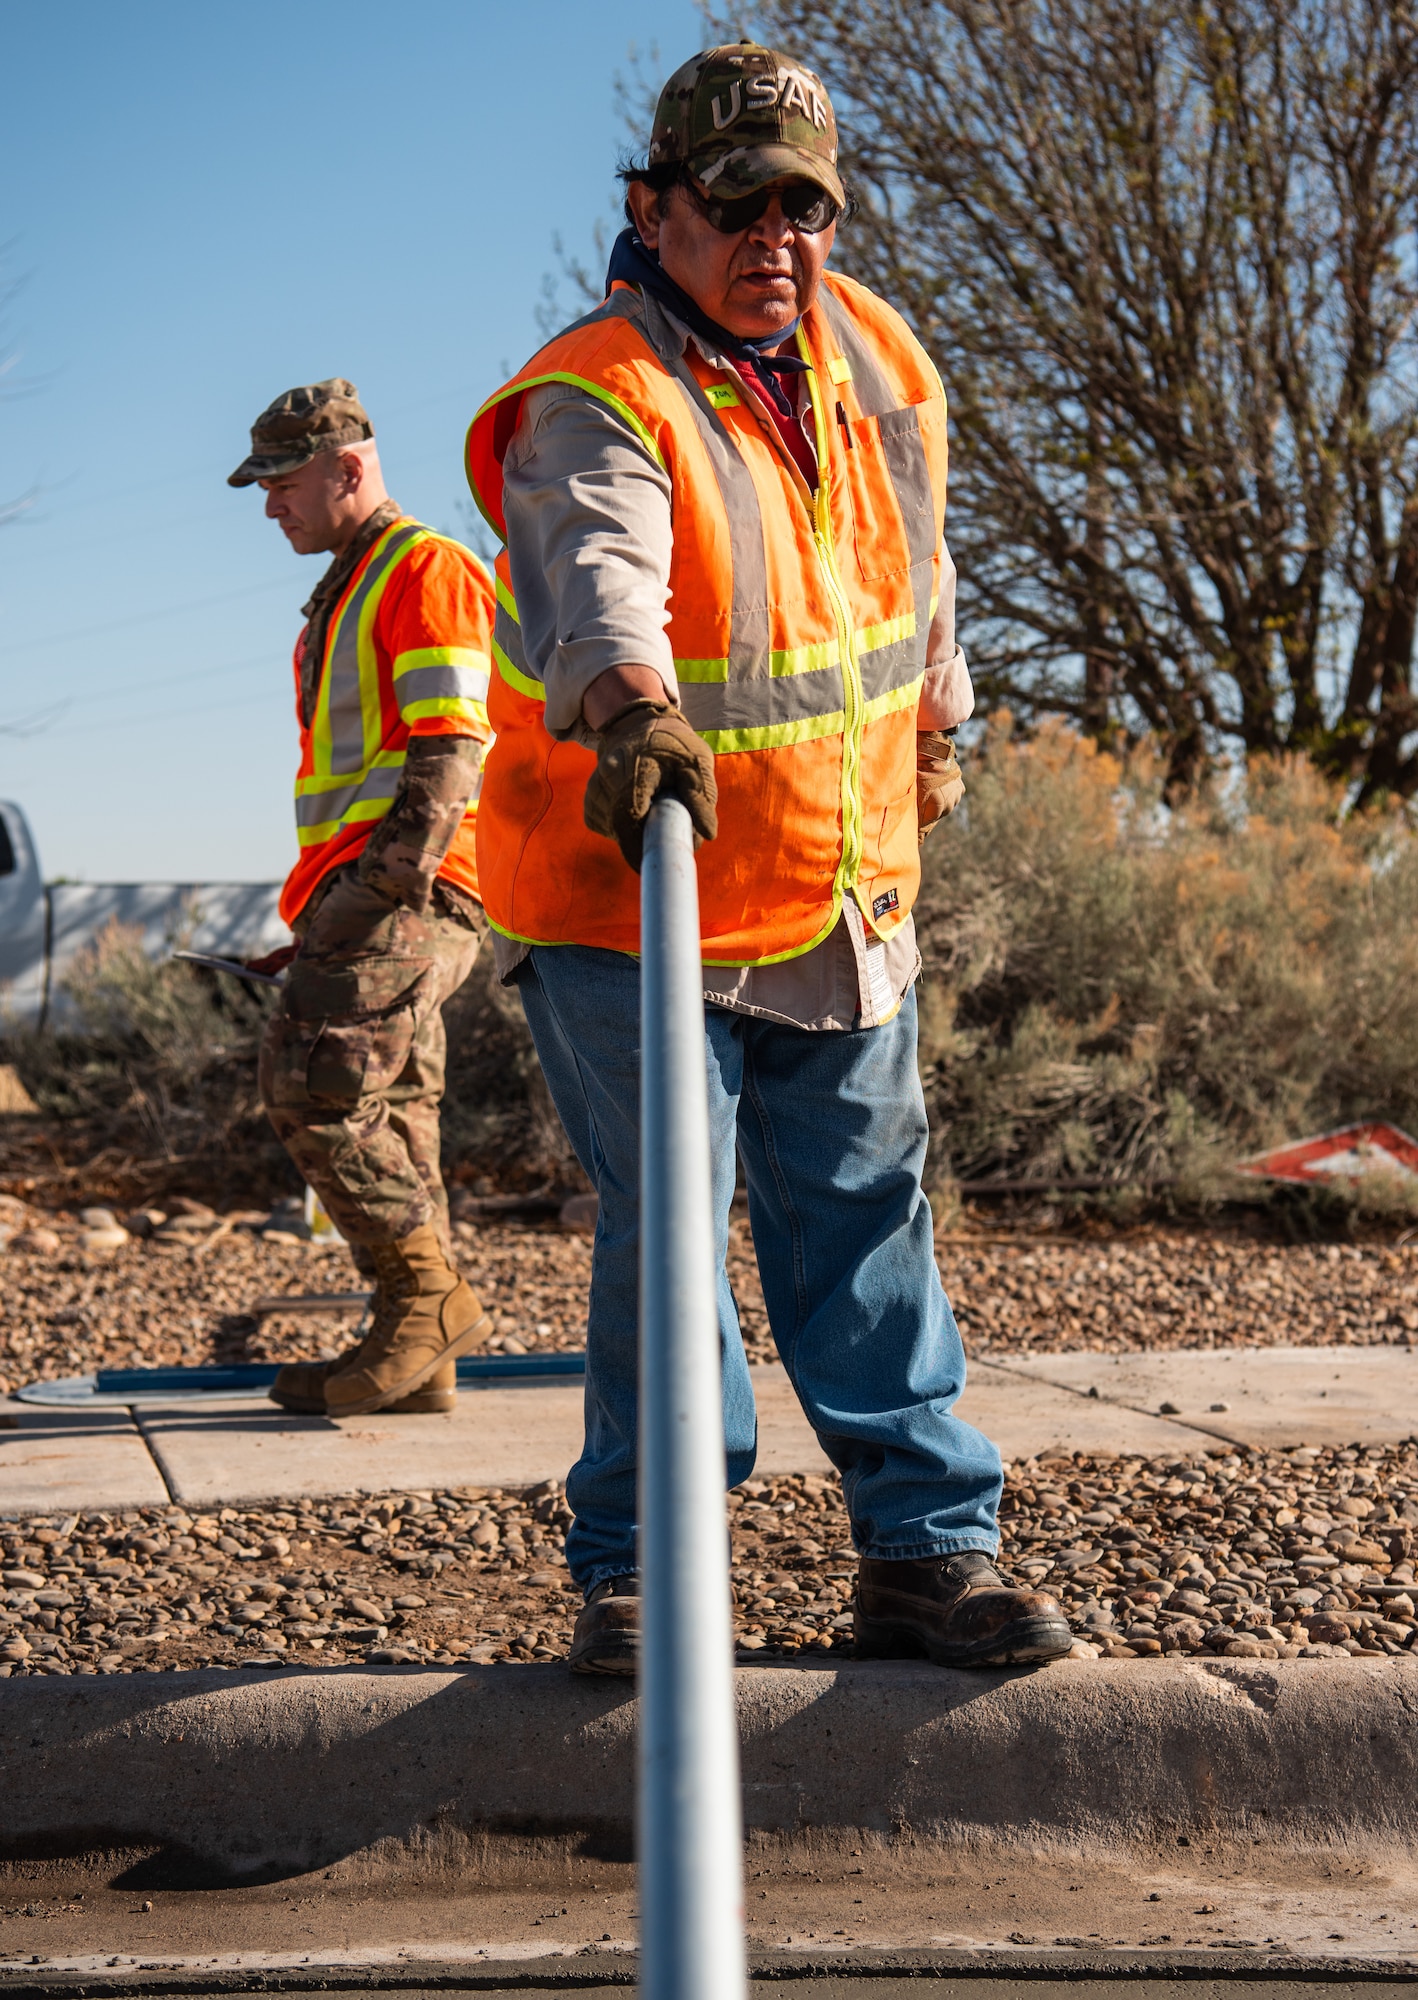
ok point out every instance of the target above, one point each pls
(1115, 993)
(1118, 991)
(151, 1086)
(150, 1081)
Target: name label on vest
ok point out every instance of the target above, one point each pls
(883, 905)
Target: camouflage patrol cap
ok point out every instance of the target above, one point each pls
(740, 115)
(323, 416)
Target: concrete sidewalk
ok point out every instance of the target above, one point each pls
(235, 1453)
(1271, 1397)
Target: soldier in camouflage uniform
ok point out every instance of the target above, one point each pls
(391, 682)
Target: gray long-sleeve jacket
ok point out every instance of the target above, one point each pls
(591, 539)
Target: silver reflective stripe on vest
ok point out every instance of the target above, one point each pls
(748, 617)
(714, 706)
(896, 665)
(507, 641)
(342, 695)
(441, 683)
(328, 807)
(905, 455)
(751, 697)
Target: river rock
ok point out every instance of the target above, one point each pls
(39, 1242)
(103, 1242)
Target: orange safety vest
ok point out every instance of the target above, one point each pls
(798, 628)
(406, 654)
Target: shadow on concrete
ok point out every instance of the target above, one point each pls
(220, 1778)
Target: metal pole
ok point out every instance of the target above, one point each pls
(689, 1823)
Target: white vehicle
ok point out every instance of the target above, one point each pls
(43, 928)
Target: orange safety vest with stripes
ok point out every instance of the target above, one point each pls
(406, 654)
(798, 625)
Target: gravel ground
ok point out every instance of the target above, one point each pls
(1163, 1289)
(1257, 1555)
(1254, 1555)
(183, 1295)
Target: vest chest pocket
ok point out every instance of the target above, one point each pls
(889, 481)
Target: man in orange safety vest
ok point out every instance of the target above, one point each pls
(722, 494)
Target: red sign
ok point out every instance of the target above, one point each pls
(1342, 1155)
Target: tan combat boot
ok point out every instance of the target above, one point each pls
(300, 1386)
(430, 1317)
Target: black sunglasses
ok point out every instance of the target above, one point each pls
(810, 209)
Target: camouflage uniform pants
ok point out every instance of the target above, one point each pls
(352, 1065)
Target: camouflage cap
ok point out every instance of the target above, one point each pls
(323, 416)
(740, 115)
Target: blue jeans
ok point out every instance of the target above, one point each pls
(831, 1128)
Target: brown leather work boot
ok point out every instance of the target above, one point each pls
(430, 1316)
(958, 1611)
(606, 1637)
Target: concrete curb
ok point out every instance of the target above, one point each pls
(266, 1775)
(884, 1972)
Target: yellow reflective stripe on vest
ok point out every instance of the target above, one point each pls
(508, 657)
(891, 679)
(748, 715)
(326, 803)
(792, 660)
(889, 656)
(894, 700)
(449, 681)
(774, 735)
(507, 654)
(891, 633)
(473, 713)
(348, 726)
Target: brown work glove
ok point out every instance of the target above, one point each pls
(405, 852)
(648, 748)
(939, 785)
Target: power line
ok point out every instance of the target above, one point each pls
(165, 715)
(41, 720)
(202, 470)
(223, 512)
(170, 610)
(184, 677)
(53, 640)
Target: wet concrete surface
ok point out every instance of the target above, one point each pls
(1231, 1908)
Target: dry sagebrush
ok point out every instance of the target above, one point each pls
(1121, 992)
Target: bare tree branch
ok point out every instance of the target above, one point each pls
(1163, 255)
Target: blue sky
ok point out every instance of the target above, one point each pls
(207, 205)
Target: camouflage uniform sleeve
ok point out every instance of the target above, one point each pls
(403, 855)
